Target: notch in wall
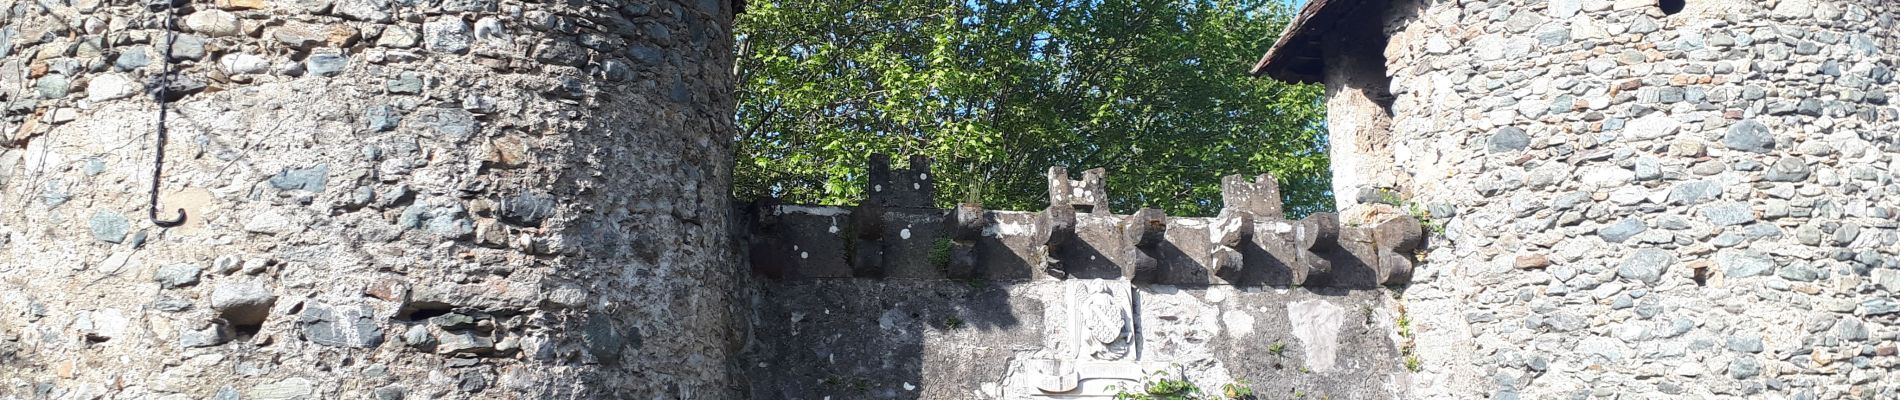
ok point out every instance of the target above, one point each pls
(1671, 7)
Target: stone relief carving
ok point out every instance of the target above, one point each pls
(1103, 319)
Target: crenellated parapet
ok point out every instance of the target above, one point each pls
(896, 234)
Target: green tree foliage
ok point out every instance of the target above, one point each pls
(1156, 91)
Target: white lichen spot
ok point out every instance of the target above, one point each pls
(915, 186)
(833, 229)
(1239, 324)
(904, 233)
(923, 176)
(803, 255)
(877, 188)
(1010, 229)
(1215, 294)
(909, 387)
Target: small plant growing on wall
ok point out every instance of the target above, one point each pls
(1161, 386)
(940, 254)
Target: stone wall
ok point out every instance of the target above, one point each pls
(381, 198)
(894, 299)
(1648, 205)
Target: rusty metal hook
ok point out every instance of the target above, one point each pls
(158, 158)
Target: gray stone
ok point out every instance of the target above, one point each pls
(1606, 349)
(243, 303)
(605, 340)
(1509, 138)
(53, 86)
(450, 222)
(1877, 307)
(210, 335)
(418, 336)
(1645, 265)
(1809, 234)
(647, 55)
(346, 325)
(464, 342)
(1850, 328)
(1762, 231)
(526, 209)
(1788, 169)
(242, 64)
(187, 48)
(95, 166)
(454, 124)
(413, 217)
(615, 71)
(132, 58)
(1566, 322)
(213, 23)
(326, 64)
(1743, 264)
(1728, 213)
(1808, 106)
(313, 178)
(446, 35)
(106, 87)
(363, 10)
(54, 193)
(561, 52)
(1745, 343)
(1622, 230)
(397, 37)
(472, 382)
(1800, 272)
(108, 226)
(287, 389)
(1744, 368)
(176, 275)
(270, 222)
(1694, 192)
(1750, 136)
(391, 392)
(453, 321)
(407, 82)
(1552, 38)
(1643, 24)
(1648, 169)
(172, 305)
(381, 117)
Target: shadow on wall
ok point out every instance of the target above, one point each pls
(883, 339)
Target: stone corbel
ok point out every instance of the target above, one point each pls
(1146, 230)
(867, 238)
(967, 226)
(1396, 239)
(1059, 218)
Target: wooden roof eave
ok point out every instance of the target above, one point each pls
(1295, 56)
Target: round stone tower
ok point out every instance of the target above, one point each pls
(379, 198)
(1637, 198)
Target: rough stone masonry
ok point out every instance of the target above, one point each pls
(1641, 198)
(383, 199)
(896, 299)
